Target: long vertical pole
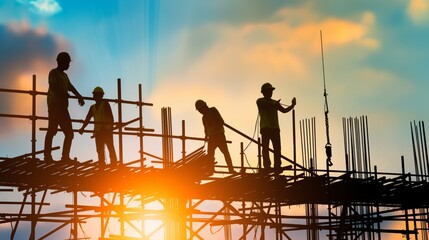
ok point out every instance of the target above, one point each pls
(121, 158)
(407, 226)
(141, 127)
(33, 156)
(102, 216)
(75, 217)
(142, 203)
(120, 121)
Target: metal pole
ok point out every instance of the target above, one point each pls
(242, 157)
(142, 202)
(294, 142)
(33, 156)
(407, 227)
(121, 159)
(141, 127)
(183, 140)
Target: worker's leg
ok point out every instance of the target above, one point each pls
(266, 136)
(99, 143)
(66, 126)
(52, 131)
(277, 149)
(221, 140)
(211, 146)
(111, 147)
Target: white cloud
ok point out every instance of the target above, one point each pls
(42, 7)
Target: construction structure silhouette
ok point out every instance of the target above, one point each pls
(188, 198)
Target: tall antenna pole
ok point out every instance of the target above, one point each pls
(328, 146)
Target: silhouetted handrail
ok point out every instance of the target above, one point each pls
(271, 150)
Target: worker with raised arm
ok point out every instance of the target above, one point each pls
(269, 124)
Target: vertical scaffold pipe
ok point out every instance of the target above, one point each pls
(141, 126)
(242, 158)
(407, 225)
(121, 158)
(142, 202)
(33, 156)
(183, 140)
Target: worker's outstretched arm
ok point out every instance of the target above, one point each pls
(289, 108)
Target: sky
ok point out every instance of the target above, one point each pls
(375, 56)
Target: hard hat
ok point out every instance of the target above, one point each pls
(200, 104)
(267, 86)
(63, 56)
(98, 90)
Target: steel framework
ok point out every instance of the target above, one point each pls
(187, 198)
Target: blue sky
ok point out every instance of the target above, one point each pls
(222, 51)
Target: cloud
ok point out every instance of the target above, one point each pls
(42, 7)
(418, 11)
(24, 52)
(228, 73)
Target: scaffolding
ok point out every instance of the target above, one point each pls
(188, 198)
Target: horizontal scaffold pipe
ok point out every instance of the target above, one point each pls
(138, 103)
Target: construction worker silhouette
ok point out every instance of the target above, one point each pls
(269, 125)
(103, 126)
(58, 101)
(214, 132)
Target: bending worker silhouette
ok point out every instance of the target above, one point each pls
(269, 124)
(103, 126)
(58, 102)
(214, 131)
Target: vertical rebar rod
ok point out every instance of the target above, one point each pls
(414, 151)
(352, 144)
(314, 143)
(294, 141)
(423, 153)
(345, 144)
(301, 126)
(358, 148)
(416, 132)
(425, 149)
(368, 145)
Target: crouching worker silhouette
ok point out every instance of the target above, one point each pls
(103, 126)
(214, 132)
